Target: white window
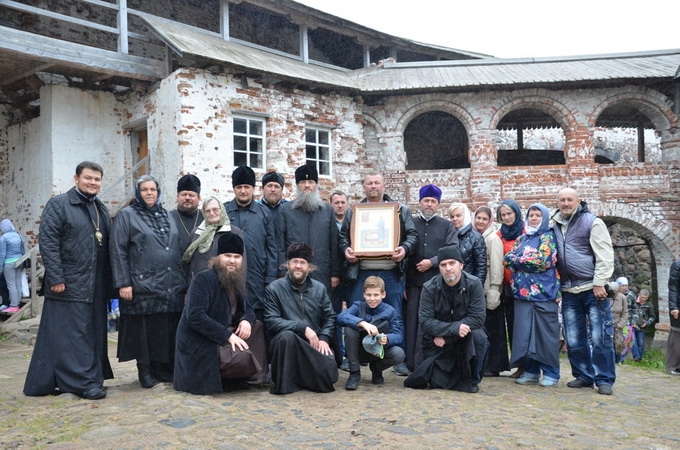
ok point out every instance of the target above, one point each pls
(318, 149)
(249, 142)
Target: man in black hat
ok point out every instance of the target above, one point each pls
(217, 313)
(452, 314)
(310, 220)
(299, 317)
(272, 193)
(187, 216)
(434, 232)
(256, 223)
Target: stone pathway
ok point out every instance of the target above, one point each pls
(642, 413)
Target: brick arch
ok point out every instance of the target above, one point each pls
(663, 244)
(650, 102)
(375, 123)
(454, 109)
(545, 101)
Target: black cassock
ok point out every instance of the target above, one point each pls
(71, 350)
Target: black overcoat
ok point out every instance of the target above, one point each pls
(202, 328)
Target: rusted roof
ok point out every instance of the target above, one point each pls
(186, 40)
(497, 72)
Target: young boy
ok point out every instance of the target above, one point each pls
(371, 317)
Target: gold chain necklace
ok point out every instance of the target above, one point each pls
(97, 234)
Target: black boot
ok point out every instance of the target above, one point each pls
(145, 378)
(353, 381)
(163, 372)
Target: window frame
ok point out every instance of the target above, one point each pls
(249, 119)
(317, 161)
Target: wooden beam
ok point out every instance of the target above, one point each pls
(25, 71)
(83, 57)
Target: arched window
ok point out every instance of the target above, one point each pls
(624, 134)
(529, 137)
(436, 140)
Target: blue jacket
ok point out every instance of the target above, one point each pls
(352, 316)
(11, 247)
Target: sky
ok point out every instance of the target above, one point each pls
(520, 28)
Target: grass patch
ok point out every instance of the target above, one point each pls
(653, 359)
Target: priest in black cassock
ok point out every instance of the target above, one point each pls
(188, 215)
(299, 317)
(70, 354)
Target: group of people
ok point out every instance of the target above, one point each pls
(280, 292)
(633, 316)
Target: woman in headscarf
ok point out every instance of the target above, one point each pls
(470, 242)
(502, 318)
(536, 289)
(483, 223)
(11, 249)
(148, 273)
(205, 237)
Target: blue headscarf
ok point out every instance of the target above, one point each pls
(545, 220)
(515, 230)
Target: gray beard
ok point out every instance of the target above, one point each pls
(308, 202)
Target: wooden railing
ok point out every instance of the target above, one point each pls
(121, 30)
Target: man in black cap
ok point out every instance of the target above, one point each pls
(301, 321)
(452, 314)
(217, 314)
(272, 193)
(187, 216)
(258, 230)
(434, 232)
(310, 220)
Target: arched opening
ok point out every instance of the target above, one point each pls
(436, 140)
(624, 134)
(529, 137)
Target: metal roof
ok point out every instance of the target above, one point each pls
(395, 76)
(186, 40)
(497, 72)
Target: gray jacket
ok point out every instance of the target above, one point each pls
(319, 231)
(289, 307)
(150, 265)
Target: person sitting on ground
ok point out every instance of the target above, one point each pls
(452, 313)
(217, 313)
(372, 318)
(299, 317)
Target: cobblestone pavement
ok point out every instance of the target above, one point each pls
(642, 414)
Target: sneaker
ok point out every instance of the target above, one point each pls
(4, 307)
(11, 310)
(579, 383)
(474, 388)
(675, 372)
(527, 379)
(353, 381)
(547, 382)
(345, 365)
(605, 389)
(401, 370)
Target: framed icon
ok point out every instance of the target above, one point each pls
(375, 230)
